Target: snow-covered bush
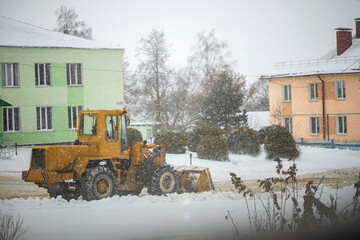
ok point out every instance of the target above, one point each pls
(134, 135)
(174, 142)
(213, 148)
(280, 143)
(263, 132)
(200, 132)
(242, 140)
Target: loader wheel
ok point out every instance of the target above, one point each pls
(163, 181)
(97, 183)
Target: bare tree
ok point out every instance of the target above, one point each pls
(67, 23)
(258, 96)
(210, 56)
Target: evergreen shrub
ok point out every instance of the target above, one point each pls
(263, 132)
(134, 135)
(280, 143)
(213, 148)
(174, 142)
(200, 132)
(242, 140)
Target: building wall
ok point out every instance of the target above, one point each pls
(144, 128)
(300, 109)
(102, 88)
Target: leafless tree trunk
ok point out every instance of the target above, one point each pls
(67, 23)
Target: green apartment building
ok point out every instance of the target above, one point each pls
(47, 77)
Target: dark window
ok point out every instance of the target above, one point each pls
(42, 74)
(10, 74)
(11, 119)
(74, 74)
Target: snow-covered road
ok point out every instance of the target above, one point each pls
(177, 216)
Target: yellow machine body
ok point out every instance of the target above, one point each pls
(102, 143)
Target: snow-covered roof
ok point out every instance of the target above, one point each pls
(14, 33)
(329, 63)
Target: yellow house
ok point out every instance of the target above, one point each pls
(319, 99)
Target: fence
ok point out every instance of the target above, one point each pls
(330, 144)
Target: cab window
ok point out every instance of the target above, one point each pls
(123, 134)
(88, 123)
(111, 127)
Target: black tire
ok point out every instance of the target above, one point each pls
(164, 180)
(97, 183)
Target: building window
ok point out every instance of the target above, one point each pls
(341, 125)
(286, 93)
(10, 74)
(314, 126)
(44, 117)
(313, 92)
(287, 123)
(42, 74)
(73, 113)
(74, 74)
(340, 90)
(11, 119)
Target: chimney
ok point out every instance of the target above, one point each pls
(357, 27)
(343, 40)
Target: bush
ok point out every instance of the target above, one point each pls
(242, 140)
(200, 132)
(213, 148)
(263, 132)
(134, 135)
(174, 142)
(280, 143)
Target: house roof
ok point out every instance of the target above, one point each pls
(328, 63)
(14, 33)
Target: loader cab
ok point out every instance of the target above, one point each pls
(105, 129)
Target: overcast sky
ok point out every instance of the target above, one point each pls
(259, 32)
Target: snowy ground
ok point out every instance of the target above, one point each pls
(178, 216)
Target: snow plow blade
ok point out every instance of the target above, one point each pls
(194, 178)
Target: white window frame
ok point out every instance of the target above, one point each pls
(74, 79)
(38, 75)
(317, 126)
(39, 123)
(288, 125)
(286, 89)
(71, 111)
(342, 91)
(314, 91)
(340, 122)
(7, 124)
(14, 75)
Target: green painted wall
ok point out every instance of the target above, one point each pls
(102, 88)
(143, 129)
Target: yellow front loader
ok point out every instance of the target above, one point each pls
(101, 163)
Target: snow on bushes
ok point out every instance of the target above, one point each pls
(174, 142)
(242, 140)
(263, 132)
(280, 143)
(134, 135)
(213, 148)
(200, 132)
